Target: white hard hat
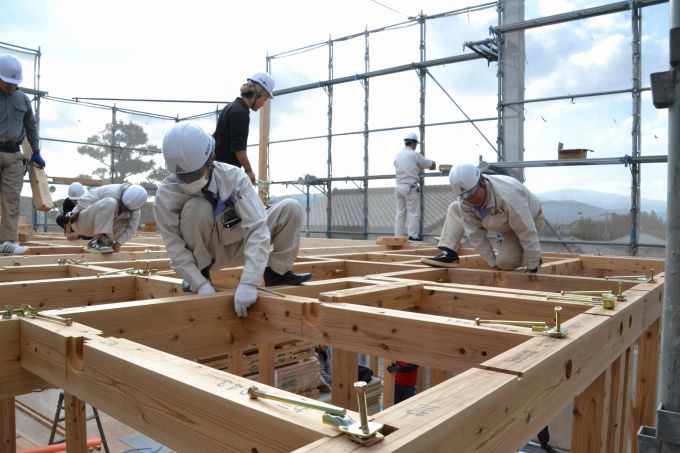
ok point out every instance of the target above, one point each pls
(187, 149)
(266, 80)
(411, 137)
(10, 69)
(75, 191)
(134, 197)
(464, 178)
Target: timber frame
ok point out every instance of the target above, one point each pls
(133, 347)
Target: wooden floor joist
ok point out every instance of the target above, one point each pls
(135, 340)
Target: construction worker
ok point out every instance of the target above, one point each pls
(109, 214)
(231, 133)
(16, 122)
(210, 216)
(405, 379)
(408, 165)
(75, 191)
(496, 204)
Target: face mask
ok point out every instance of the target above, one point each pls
(194, 187)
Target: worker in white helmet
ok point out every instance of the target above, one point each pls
(408, 165)
(109, 214)
(210, 217)
(495, 204)
(75, 191)
(16, 122)
(231, 133)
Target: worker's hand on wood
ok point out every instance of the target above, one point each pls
(37, 160)
(72, 236)
(116, 246)
(245, 296)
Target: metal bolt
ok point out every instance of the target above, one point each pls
(651, 276)
(360, 389)
(558, 309)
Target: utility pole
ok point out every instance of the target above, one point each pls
(665, 438)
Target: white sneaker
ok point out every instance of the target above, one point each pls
(9, 248)
(95, 246)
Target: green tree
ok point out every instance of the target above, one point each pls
(129, 156)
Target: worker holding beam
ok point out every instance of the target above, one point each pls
(209, 216)
(16, 122)
(496, 204)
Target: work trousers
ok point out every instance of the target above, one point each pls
(101, 218)
(213, 244)
(408, 209)
(11, 181)
(510, 254)
(403, 392)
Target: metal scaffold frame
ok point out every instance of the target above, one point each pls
(633, 161)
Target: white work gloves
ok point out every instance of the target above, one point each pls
(246, 295)
(205, 288)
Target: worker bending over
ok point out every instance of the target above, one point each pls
(408, 165)
(210, 216)
(109, 214)
(496, 204)
(233, 124)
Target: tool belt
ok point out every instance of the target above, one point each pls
(9, 147)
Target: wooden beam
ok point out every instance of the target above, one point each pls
(8, 430)
(14, 380)
(69, 292)
(447, 343)
(76, 428)
(398, 296)
(42, 199)
(589, 418)
(263, 160)
(623, 265)
(186, 406)
(644, 407)
(25, 260)
(344, 370)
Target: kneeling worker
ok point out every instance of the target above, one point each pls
(210, 216)
(494, 204)
(110, 214)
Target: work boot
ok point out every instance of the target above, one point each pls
(271, 278)
(417, 238)
(95, 246)
(447, 258)
(9, 248)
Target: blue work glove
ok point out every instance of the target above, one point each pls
(37, 160)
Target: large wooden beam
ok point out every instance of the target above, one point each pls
(25, 260)
(42, 199)
(186, 406)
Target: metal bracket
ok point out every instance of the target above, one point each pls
(667, 431)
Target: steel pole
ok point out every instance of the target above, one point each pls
(669, 385)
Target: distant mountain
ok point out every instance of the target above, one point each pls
(607, 201)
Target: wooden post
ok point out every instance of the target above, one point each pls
(262, 164)
(438, 376)
(388, 385)
(616, 410)
(266, 363)
(589, 411)
(76, 430)
(8, 432)
(644, 408)
(374, 364)
(344, 369)
(42, 199)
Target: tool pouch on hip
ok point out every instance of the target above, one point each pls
(230, 217)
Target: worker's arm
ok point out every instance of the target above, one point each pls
(425, 163)
(130, 228)
(167, 208)
(522, 223)
(242, 157)
(256, 235)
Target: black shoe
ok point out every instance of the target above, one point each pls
(447, 258)
(271, 278)
(548, 448)
(419, 238)
(186, 286)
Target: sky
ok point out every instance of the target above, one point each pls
(204, 50)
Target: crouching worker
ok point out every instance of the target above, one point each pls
(109, 214)
(209, 215)
(495, 204)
